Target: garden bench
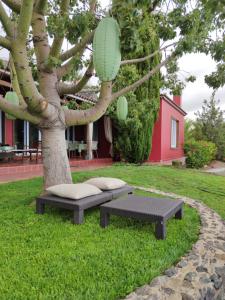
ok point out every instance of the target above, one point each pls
(156, 210)
(78, 206)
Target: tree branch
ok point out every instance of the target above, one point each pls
(141, 59)
(78, 48)
(40, 40)
(5, 20)
(92, 5)
(40, 6)
(32, 97)
(14, 5)
(18, 112)
(5, 43)
(58, 39)
(73, 88)
(81, 117)
(142, 80)
(25, 19)
(15, 83)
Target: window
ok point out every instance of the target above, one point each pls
(174, 133)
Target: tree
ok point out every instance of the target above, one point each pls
(28, 25)
(133, 136)
(188, 130)
(210, 125)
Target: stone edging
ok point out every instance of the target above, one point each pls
(201, 273)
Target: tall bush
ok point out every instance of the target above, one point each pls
(133, 137)
(199, 153)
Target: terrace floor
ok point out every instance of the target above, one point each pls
(25, 169)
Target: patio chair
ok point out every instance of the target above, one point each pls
(95, 147)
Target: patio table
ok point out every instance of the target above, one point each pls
(30, 151)
(157, 210)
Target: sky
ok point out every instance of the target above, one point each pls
(194, 93)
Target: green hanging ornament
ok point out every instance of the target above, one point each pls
(106, 49)
(13, 99)
(122, 108)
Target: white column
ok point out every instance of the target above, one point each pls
(39, 136)
(26, 137)
(89, 155)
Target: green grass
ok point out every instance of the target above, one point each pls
(46, 257)
(208, 188)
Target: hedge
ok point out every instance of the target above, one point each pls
(199, 153)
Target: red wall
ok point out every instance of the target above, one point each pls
(155, 154)
(9, 132)
(168, 153)
(161, 140)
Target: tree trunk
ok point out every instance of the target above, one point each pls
(55, 160)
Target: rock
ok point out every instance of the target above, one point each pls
(186, 296)
(182, 264)
(189, 276)
(157, 281)
(170, 272)
(153, 297)
(218, 283)
(216, 280)
(143, 290)
(168, 291)
(220, 246)
(204, 279)
(193, 257)
(213, 277)
(201, 269)
(209, 294)
(220, 271)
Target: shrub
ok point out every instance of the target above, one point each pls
(199, 153)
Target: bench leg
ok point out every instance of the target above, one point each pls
(104, 219)
(179, 214)
(160, 230)
(78, 217)
(40, 207)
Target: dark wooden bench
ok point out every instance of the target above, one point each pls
(78, 206)
(156, 210)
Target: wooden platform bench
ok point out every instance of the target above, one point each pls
(78, 206)
(155, 210)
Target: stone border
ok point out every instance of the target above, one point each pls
(201, 273)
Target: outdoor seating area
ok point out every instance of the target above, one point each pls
(119, 202)
(80, 148)
(11, 153)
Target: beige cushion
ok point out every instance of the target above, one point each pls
(106, 183)
(74, 191)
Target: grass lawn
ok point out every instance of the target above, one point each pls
(208, 188)
(46, 257)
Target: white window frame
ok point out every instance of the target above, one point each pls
(174, 133)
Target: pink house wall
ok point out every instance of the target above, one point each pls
(9, 128)
(161, 138)
(169, 113)
(155, 154)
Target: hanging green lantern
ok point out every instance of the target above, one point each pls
(122, 108)
(106, 49)
(13, 99)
